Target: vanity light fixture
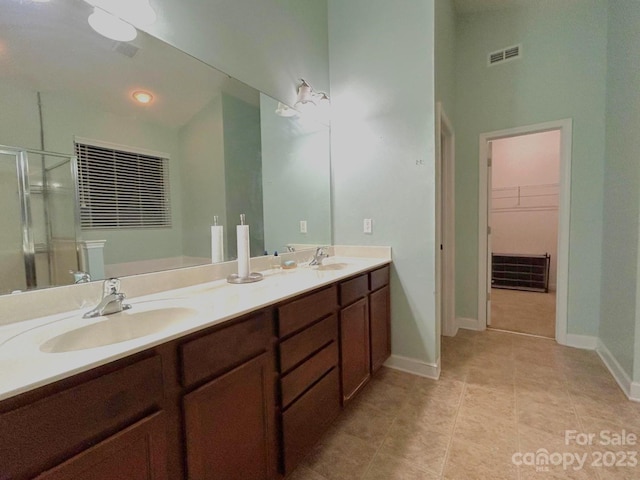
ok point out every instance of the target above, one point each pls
(140, 96)
(284, 110)
(308, 100)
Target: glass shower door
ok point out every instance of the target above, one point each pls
(11, 243)
(40, 229)
(58, 200)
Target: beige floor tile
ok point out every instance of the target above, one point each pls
(385, 467)
(434, 416)
(501, 434)
(548, 418)
(365, 422)
(423, 448)
(498, 394)
(340, 456)
(384, 397)
(304, 473)
(470, 461)
(619, 473)
(388, 376)
(557, 473)
(521, 311)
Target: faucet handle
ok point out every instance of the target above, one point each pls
(110, 286)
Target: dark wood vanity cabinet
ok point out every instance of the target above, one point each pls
(308, 367)
(380, 317)
(354, 335)
(365, 329)
(246, 399)
(107, 419)
(136, 453)
(229, 420)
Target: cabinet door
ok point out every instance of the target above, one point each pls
(229, 425)
(136, 453)
(354, 337)
(380, 327)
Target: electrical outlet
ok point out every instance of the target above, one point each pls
(368, 225)
(303, 226)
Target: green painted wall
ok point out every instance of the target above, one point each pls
(243, 172)
(445, 54)
(382, 85)
(268, 44)
(295, 173)
(561, 75)
(203, 178)
(620, 309)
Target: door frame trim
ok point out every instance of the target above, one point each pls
(565, 126)
(445, 232)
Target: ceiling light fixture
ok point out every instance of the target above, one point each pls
(142, 97)
(110, 26)
(118, 19)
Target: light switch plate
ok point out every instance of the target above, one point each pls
(367, 225)
(303, 226)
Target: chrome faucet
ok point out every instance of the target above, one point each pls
(80, 276)
(318, 256)
(111, 301)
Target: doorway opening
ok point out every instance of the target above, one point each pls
(524, 204)
(523, 218)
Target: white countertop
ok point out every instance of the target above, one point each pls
(24, 366)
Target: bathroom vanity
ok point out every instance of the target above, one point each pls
(240, 395)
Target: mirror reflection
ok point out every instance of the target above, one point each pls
(134, 187)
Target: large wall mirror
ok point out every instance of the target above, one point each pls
(135, 187)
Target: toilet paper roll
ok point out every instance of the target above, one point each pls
(242, 235)
(217, 244)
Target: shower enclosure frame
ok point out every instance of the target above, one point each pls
(24, 190)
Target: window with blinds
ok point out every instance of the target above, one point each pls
(122, 190)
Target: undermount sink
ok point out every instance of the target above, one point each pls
(117, 328)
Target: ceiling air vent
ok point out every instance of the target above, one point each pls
(126, 49)
(504, 55)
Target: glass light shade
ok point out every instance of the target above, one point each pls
(111, 26)
(136, 12)
(285, 110)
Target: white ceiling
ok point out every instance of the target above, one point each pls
(475, 6)
(50, 47)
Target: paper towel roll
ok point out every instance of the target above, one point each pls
(242, 235)
(217, 244)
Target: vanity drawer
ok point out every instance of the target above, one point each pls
(298, 314)
(379, 278)
(300, 346)
(297, 381)
(354, 289)
(309, 417)
(219, 351)
(41, 434)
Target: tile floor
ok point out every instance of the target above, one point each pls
(499, 394)
(525, 312)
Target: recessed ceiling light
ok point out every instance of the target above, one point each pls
(142, 97)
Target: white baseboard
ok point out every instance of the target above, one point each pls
(586, 342)
(412, 365)
(634, 392)
(631, 389)
(468, 323)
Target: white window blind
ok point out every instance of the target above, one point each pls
(120, 189)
